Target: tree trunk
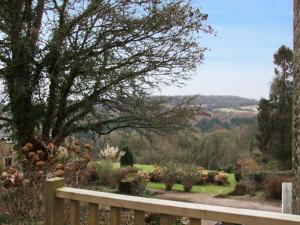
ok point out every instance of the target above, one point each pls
(296, 111)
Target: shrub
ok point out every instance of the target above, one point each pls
(247, 164)
(133, 184)
(211, 176)
(104, 170)
(244, 187)
(273, 186)
(202, 176)
(119, 174)
(221, 178)
(258, 178)
(169, 174)
(188, 176)
(127, 158)
(240, 189)
(228, 168)
(155, 176)
(111, 153)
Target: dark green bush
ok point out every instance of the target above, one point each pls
(211, 176)
(258, 178)
(134, 184)
(127, 158)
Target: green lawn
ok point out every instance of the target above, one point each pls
(210, 189)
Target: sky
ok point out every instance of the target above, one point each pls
(240, 60)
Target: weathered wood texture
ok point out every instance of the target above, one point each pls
(115, 215)
(191, 210)
(54, 207)
(287, 197)
(93, 214)
(195, 221)
(139, 217)
(165, 219)
(296, 110)
(74, 212)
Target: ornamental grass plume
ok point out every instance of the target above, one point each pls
(111, 153)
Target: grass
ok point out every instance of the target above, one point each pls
(210, 189)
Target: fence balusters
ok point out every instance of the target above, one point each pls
(139, 217)
(114, 215)
(93, 214)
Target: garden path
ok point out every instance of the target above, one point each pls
(257, 203)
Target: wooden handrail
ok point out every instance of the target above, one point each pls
(196, 212)
(200, 211)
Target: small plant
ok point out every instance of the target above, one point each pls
(211, 176)
(155, 176)
(248, 165)
(104, 170)
(221, 178)
(119, 174)
(111, 153)
(245, 187)
(127, 157)
(188, 176)
(273, 186)
(169, 174)
(202, 175)
(134, 183)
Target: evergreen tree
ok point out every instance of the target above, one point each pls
(275, 114)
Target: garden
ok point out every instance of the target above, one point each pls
(113, 170)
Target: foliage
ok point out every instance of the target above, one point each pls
(23, 194)
(275, 114)
(104, 170)
(188, 176)
(169, 174)
(209, 189)
(111, 153)
(247, 165)
(221, 178)
(210, 124)
(202, 175)
(258, 177)
(155, 175)
(245, 187)
(273, 186)
(90, 65)
(211, 176)
(134, 183)
(126, 158)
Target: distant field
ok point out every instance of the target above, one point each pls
(209, 189)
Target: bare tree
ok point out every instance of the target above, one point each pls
(77, 65)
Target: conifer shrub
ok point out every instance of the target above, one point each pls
(127, 158)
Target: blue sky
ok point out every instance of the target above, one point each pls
(241, 58)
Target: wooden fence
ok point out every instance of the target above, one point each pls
(57, 193)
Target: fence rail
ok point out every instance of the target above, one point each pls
(56, 193)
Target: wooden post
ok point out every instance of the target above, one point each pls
(54, 207)
(195, 221)
(287, 198)
(165, 219)
(139, 217)
(114, 215)
(74, 212)
(93, 214)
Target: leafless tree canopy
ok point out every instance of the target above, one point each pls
(79, 65)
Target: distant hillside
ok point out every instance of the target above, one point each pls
(215, 101)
